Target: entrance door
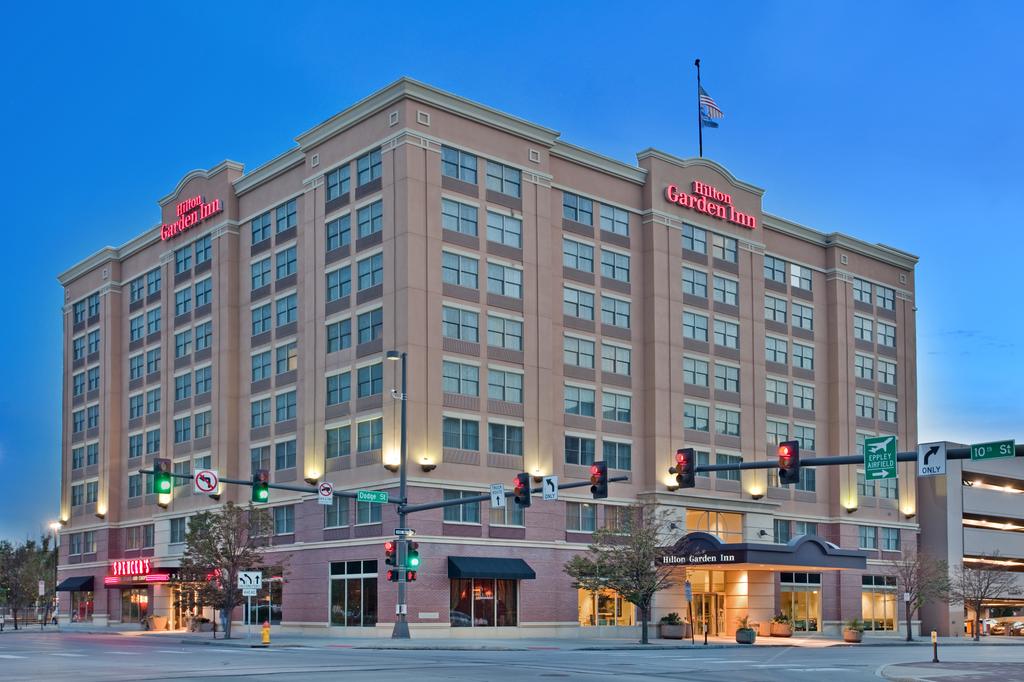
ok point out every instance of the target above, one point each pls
(709, 607)
(184, 606)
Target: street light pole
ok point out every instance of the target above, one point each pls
(401, 630)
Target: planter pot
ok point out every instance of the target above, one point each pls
(746, 636)
(853, 636)
(205, 627)
(781, 630)
(159, 622)
(680, 631)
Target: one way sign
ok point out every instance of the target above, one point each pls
(931, 459)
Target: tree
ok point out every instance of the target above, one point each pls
(973, 585)
(21, 569)
(923, 577)
(218, 545)
(624, 559)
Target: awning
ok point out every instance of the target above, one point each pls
(701, 550)
(78, 583)
(489, 567)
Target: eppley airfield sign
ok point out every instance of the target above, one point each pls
(709, 200)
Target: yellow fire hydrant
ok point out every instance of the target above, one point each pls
(266, 632)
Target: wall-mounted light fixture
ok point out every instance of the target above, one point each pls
(391, 466)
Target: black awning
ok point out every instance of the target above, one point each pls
(489, 567)
(78, 583)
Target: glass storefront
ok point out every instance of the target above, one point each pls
(725, 526)
(878, 602)
(800, 599)
(708, 601)
(484, 602)
(134, 605)
(354, 593)
(184, 605)
(81, 606)
(267, 606)
(605, 607)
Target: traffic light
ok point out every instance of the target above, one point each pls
(410, 576)
(412, 561)
(521, 487)
(392, 575)
(391, 553)
(789, 462)
(599, 480)
(261, 485)
(686, 461)
(162, 481)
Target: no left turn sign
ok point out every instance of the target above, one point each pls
(205, 481)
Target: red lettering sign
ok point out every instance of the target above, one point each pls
(126, 567)
(711, 201)
(190, 213)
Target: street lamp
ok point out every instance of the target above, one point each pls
(401, 630)
(55, 526)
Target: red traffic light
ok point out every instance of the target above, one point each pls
(784, 450)
(680, 456)
(389, 546)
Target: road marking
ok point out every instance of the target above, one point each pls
(71, 655)
(771, 665)
(123, 653)
(169, 651)
(814, 670)
(10, 656)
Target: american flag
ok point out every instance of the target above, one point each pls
(708, 106)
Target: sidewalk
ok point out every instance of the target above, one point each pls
(936, 672)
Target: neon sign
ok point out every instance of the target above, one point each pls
(709, 200)
(130, 567)
(190, 213)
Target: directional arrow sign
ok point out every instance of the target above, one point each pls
(550, 487)
(1002, 448)
(931, 459)
(252, 580)
(497, 495)
(880, 457)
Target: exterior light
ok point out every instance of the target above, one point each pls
(391, 466)
(313, 477)
(393, 355)
(55, 526)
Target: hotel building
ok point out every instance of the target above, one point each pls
(557, 307)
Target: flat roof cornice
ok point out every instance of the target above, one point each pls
(110, 253)
(599, 162)
(886, 254)
(650, 152)
(200, 173)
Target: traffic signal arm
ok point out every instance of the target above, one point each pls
(276, 486)
(409, 509)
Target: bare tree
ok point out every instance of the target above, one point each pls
(921, 576)
(624, 559)
(973, 585)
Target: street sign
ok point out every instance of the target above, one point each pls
(996, 450)
(931, 459)
(497, 495)
(550, 487)
(325, 493)
(404, 532)
(250, 580)
(879, 457)
(205, 481)
(249, 591)
(42, 588)
(378, 496)
(689, 590)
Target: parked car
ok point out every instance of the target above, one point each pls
(998, 628)
(1017, 628)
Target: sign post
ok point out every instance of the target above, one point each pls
(879, 458)
(689, 607)
(249, 582)
(996, 450)
(931, 459)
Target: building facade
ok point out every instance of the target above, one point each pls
(557, 307)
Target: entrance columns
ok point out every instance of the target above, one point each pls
(761, 598)
(161, 602)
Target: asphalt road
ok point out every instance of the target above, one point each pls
(111, 658)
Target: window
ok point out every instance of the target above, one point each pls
(367, 513)
(614, 265)
(581, 517)
(284, 520)
(775, 269)
(615, 312)
(887, 410)
(695, 282)
(458, 164)
(865, 406)
(694, 239)
(77, 500)
(78, 417)
(182, 347)
(136, 366)
(93, 342)
(183, 301)
(339, 441)
(78, 384)
(577, 208)
(339, 335)
(152, 441)
(616, 407)
(135, 445)
(460, 379)
(505, 439)
(89, 536)
(799, 277)
(578, 352)
(137, 291)
(614, 220)
(878, 602)
(286, 217)
(259, 458)
(504, 386)
(287, 262)
(203, 249)
(723, 248)
(885, 297)
(371, 271)
(695, 326)
(153, 282)
(261, 319)
(864, 367)
(78, 345)
(579, 450)
(887, 488)
(862, 328)
(803, 397)
(461, 513)
(202, 424)
(730, 475)
(260, 228)
(370, 380)
(339, 388)
(78, 311)
(616, 359)
(460, 434)
(339, 232)
(136, 330)
(182, 260)
(179, 527)
(336, 513)
(134, 487)
(776, 391)
(782, 531)
(353, 589)
(371, 325)
(92, 418)
(887, 372)
(579, 400)
(577, 255)
(93, 378)
(153, 361)
(183, 429)
(284, 455)
(509, 515)
(92, 454)
(458, 217)
(503, 332)
(695, 372)
(204, 335)
(338, 182)
(696, 417)
(370, 219)
(866, 537)
(182, 386)
(727, 334)
(805, 435)
(504, 280)
(368, 167)
(460, 324)
(459, 270)
(578, 303)
(726, 290)
(503, 179)
(727, 378)
(803, 316)
(803, 356)
(339, 283)
(617, 455)
(775, 309)
(727, 422)
(504, 229)
(886, 335)
(135, 406)
(284, 406)
(861, 291)
(153, 321)
(287, 309)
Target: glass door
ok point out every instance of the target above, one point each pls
(708, 607)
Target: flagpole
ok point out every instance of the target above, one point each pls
(700, 128)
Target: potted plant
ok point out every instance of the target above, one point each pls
(781, 626)
(673, 627)
(158, 622)
(202, 624)
(854, 631)
(745, 634)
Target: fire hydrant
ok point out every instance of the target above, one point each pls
(266, 632)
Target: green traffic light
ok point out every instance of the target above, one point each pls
(414, 560)
(263, 494)
(163, 483)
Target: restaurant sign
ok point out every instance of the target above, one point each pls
(134, 571)
(707, 199)
(190, 213)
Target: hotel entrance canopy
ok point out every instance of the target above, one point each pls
(807, 552)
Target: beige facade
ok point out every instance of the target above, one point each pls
(557, 307)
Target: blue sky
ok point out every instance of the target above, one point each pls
(895, 122)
